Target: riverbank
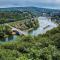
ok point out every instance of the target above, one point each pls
(26, 25)
(18, 27)
(44, 22)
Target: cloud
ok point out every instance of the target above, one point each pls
(38, 3)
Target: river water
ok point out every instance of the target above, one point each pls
(10, 38)
(45, 24)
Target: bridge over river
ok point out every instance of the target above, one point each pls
(18, 30)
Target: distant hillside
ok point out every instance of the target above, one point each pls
(35, 10)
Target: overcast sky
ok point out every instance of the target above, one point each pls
(35, 3)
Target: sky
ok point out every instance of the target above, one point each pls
(54, 4)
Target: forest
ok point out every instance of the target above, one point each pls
(23, 20)
(27, 47)
(42, 47)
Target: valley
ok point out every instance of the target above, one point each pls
(29, 33)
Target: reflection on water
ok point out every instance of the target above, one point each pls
(45, 24)
(12, 37)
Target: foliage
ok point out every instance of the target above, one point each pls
(42, 47)
(6, 54)
(11, 16)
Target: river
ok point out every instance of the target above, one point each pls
(45, 24)
(10, 38)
